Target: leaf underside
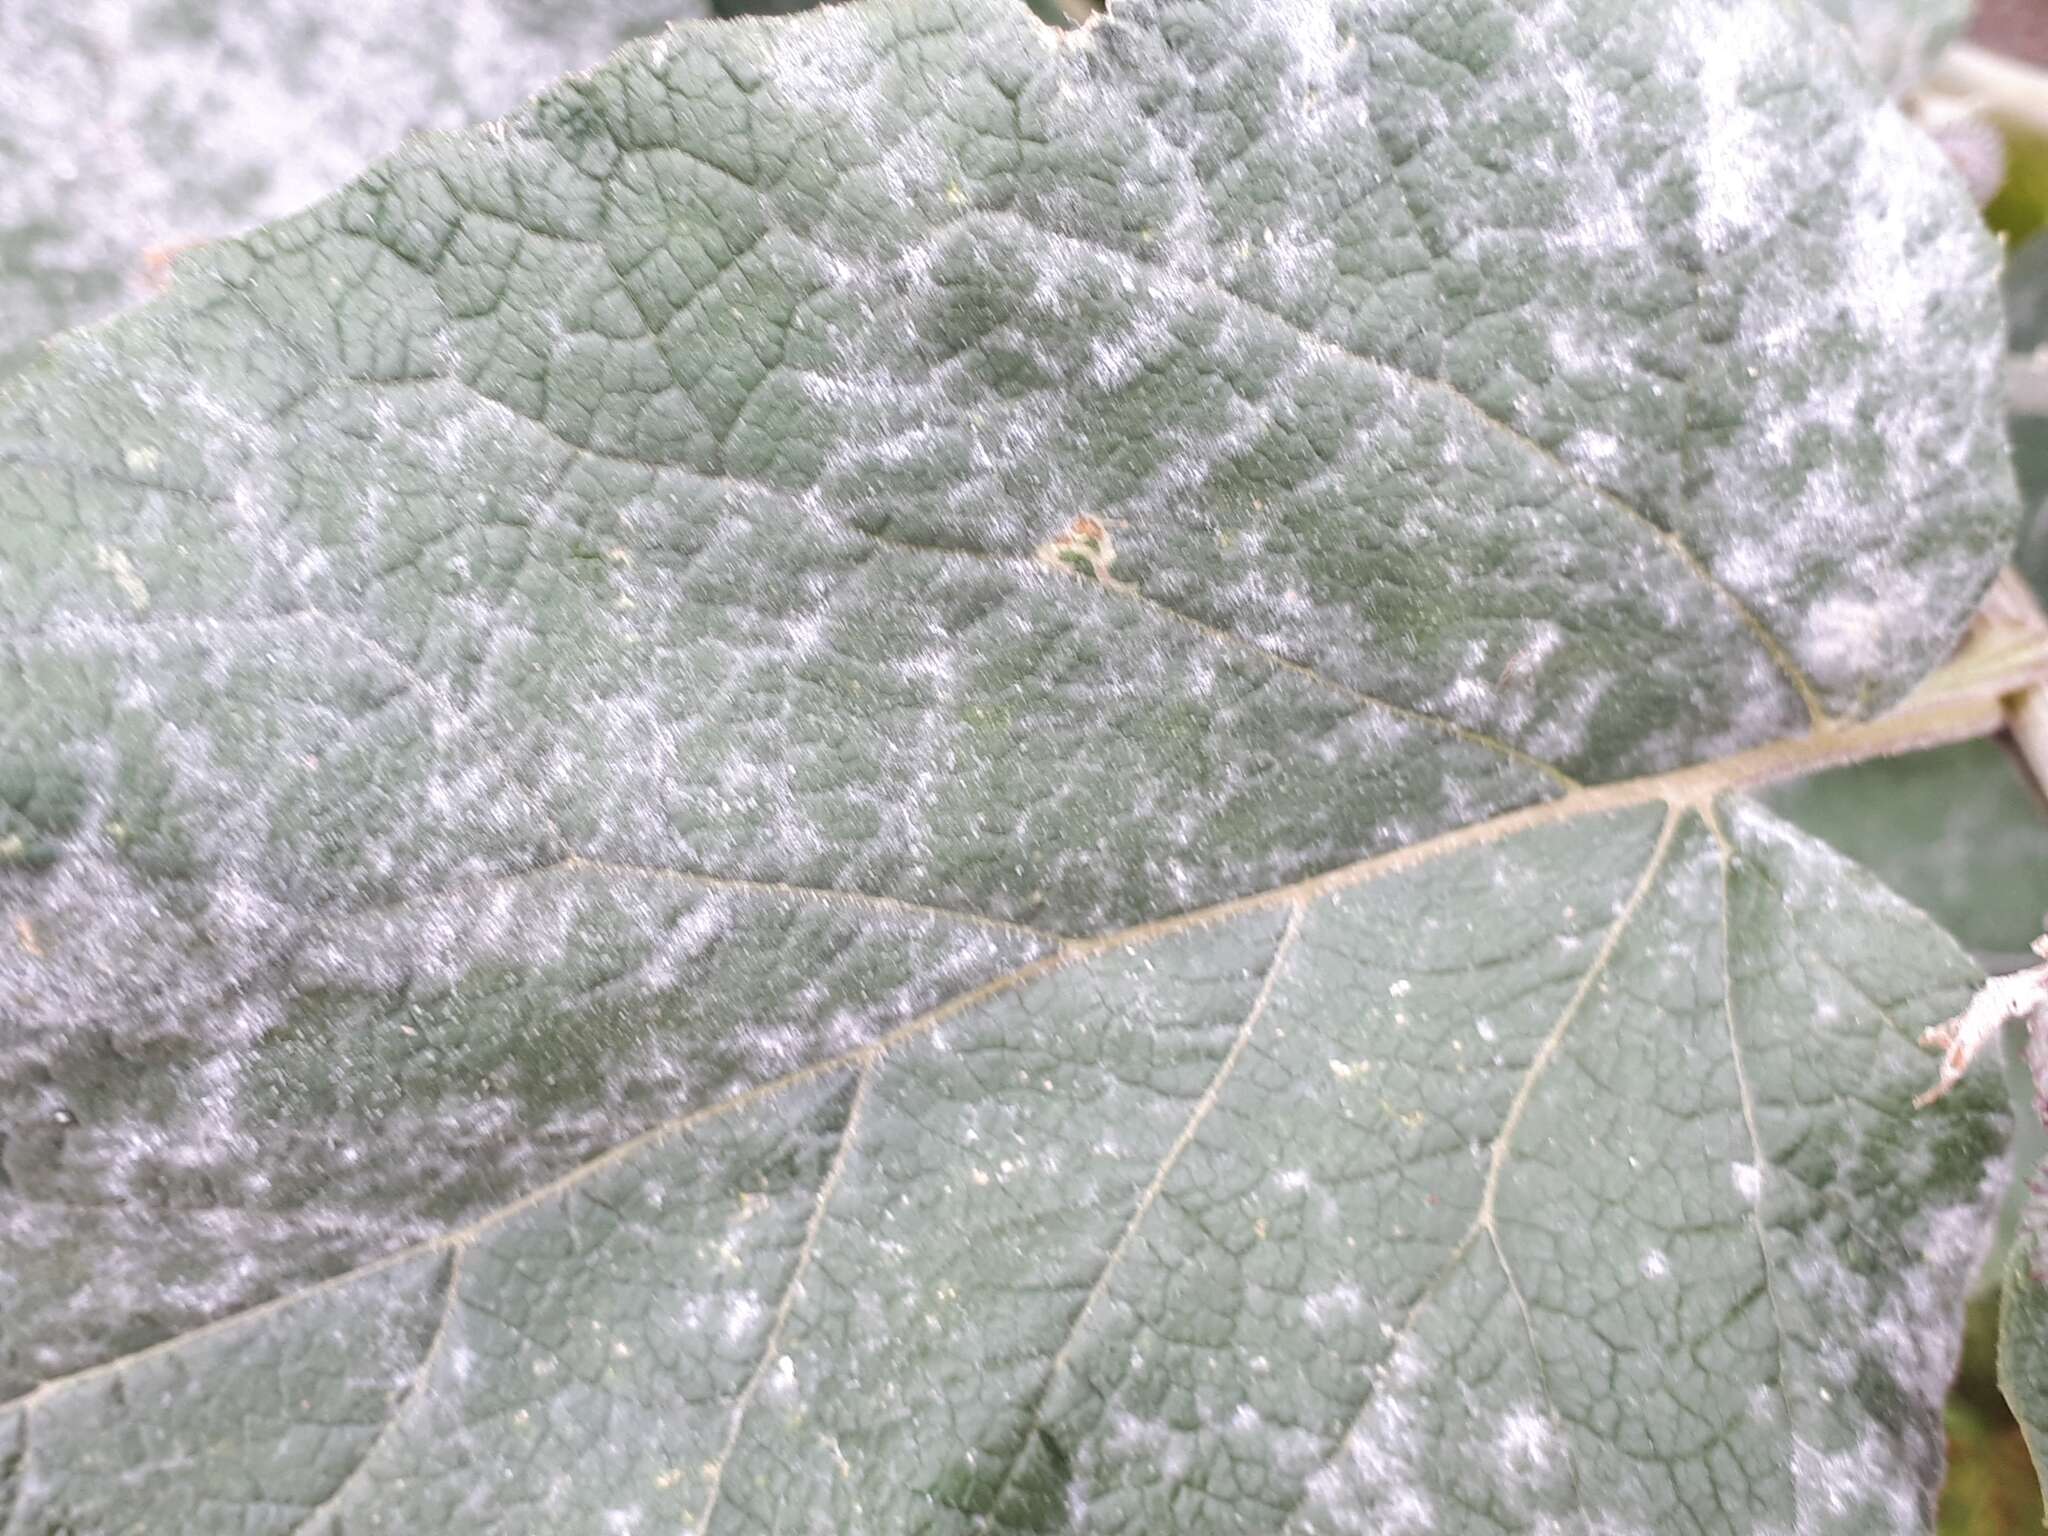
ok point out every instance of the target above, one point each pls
(658, 768)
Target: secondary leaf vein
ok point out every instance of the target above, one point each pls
(1726, 853)
(1958, 706)
(791, 1289)
(1483, 1218)
(577, 863)
(1773, 648)
(400, 1404)
(1149, 1197)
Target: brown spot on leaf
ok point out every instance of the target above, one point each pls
(1083, 547)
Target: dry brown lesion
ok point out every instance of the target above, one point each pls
(1085, 547)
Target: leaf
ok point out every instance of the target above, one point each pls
(1974, 843)
(900, 770)
(1979, 828)
(881, 1292)
(2025, 286)
(1977, 843)
(2023, 1304)
(2023, 1334)
(130, 128)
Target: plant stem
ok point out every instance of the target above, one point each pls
(2013, 95)
(2012, 607)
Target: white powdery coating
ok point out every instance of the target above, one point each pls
(130, 132)
(1904, 1324)
(1898, 39)
(1377, 1480)
(1816, 877)
(1528, 1444)
(756, 787)
(1861, 1482)
(1333, 1308)
(1724, 47)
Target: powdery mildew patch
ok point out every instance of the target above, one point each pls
(600, 672)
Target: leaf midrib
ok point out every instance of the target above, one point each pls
(1967, 699)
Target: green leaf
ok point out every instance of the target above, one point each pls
(2025, 286)
(1959, 831)
(849, 785)
(2023, 1303)
(2023, 1334)
(128, 130)
(1344, 1211)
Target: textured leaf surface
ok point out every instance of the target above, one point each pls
(2023, 1334)
(2023, 1302)
(620, 725)
(131, 127)
(1345, 1212)
(1960, 831)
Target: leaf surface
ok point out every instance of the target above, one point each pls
(2021, 1001)
(131, 128)
(1198, 1229)
(2023, 1334)
(1959, 831)
(669, 781)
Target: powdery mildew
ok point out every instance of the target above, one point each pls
(136, 129)
(880, 1292)
(594, 663)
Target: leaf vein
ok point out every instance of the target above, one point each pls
(1216, 634)
(1483, 1217)
(790, 1292)
(824, 895)
(1726, 851)
(1773, 648)
(1571, 1459)
(1148, 1197)
(400, 1405)
(1958, 706)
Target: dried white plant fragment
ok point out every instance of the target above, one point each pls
(2021, 995)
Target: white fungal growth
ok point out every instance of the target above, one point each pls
(1528, 1442)
(1833, 1486)
(1748, 1180)
(1374, 1482)
(117, 565)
